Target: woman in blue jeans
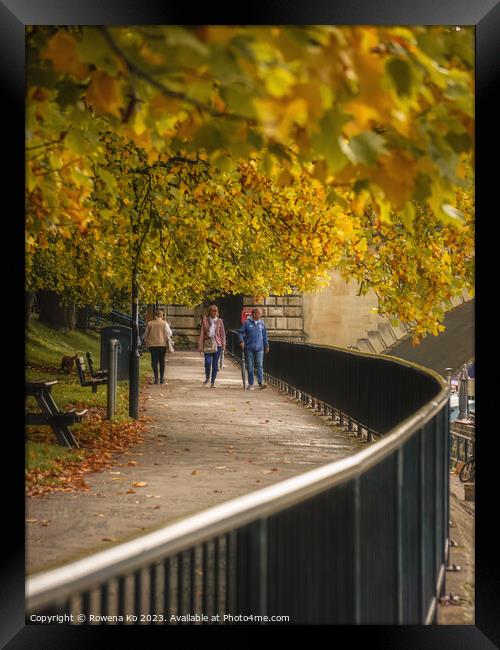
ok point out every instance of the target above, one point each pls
(211, 343)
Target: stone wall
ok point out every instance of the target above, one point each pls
(184, 322)
(282, 315)
(337, 316)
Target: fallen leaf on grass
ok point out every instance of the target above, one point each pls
(139, 483)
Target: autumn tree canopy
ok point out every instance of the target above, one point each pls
(252, 160)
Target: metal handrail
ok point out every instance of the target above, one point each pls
(59, 583)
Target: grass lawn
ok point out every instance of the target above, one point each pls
(45, 347)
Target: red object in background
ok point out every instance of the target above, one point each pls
(246, 312)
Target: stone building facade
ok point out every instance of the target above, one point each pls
(283, 316)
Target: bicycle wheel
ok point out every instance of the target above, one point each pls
(467, 473)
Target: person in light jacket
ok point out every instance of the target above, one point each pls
(156, 339)
(211, 343)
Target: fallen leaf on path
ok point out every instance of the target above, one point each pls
(108, 539)
(139, 483)
(132, 463)
(217, 490)
(195, 471)
(220, 467)
(31, 521)
(187, 449)
(130, 492)
(115, 472)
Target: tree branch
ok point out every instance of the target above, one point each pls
(142, 74)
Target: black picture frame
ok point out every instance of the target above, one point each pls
(485, 15)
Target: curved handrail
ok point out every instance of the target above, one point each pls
(59, 583)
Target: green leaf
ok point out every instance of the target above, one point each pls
(360, 184)
(400, 73)
(327, 140)
(367, 147)
(239, 99)
(422, 190)
(107, 177)
(458, 141)
(92, 48)
(224, 163)
(76, 141)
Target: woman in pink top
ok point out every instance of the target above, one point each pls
(211, 343)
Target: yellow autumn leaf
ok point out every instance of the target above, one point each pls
(151, 57)
(61, 51)
(285, 178)
(161, 105)
(104, 93)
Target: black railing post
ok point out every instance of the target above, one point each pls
(357, 551)
(421, 526)
(399, 534)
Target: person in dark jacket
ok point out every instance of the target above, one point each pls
(253, 340)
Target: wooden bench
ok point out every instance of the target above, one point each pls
(96, 374)
(85, 379)
(51, 415)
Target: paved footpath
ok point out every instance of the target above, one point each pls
(204, 446)
(460, 583)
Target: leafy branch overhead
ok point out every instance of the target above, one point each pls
(252, 159)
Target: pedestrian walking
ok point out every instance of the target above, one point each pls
(211, 343)
(157, 339)
(253, 340)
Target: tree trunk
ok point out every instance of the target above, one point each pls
(29, 302)
(133, 386)
(83, 317)
(54, 313)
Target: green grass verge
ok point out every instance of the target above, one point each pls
(41, 456)
(43, 352)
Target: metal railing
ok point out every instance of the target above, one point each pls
(462, 448)
(362, 540)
